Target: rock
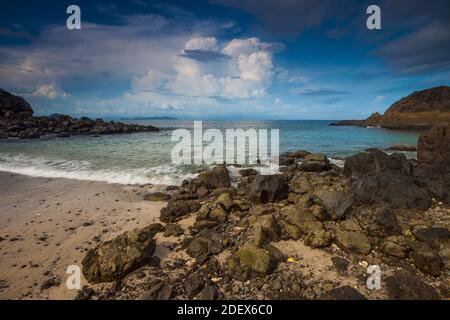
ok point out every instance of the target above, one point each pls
(248, 172)
(206, 243)
(158, 291)
(402, 147)
(263, 209)
(212, 212)
(318, 238)
(194, 284)
(176, 209)
(210, 292)
(266, 230)
(406, 286)
(173, 229)
(336, 203)
(52, 282)
(300, 184)
(308, 225)
(114, 259)
(350, 238)
(343, 293)
(378, 222)
(216, 178)
(396, 246)
(203, 224)
(419, 111)
(85, 293)
(270, 188)
(290, 158)
(293, 231)
(13, 107)
(250, 261)
(276, 253)
(16, 120)
(426, 259)
(341, 264)
(377, 177)
(433, 172)
(315, 162)
(225, 201)
(156, 196)
(435, 237)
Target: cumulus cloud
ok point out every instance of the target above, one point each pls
(49, 91)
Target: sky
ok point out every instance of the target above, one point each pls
(222, 59)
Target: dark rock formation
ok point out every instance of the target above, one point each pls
(377, 177)
(265, 189)
(433, 155)
(17, 121)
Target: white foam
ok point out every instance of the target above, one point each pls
(83, 170)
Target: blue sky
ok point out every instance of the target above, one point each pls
(222, 59)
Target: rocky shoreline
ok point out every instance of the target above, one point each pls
(17, 121)
(307, 233)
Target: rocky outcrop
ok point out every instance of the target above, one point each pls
(433, 155)
(420, 110)
(13, 107)
(17, 121)
(376, 177)
(114, 259)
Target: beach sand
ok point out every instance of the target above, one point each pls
(48, 224)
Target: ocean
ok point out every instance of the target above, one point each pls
(142, 158)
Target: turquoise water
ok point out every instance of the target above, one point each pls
(145, 157)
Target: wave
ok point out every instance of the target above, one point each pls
(84, 170)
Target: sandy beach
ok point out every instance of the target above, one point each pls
(48, 224)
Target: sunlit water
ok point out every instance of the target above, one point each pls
(142, 158)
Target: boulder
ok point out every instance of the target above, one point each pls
(158, 291)
(290, 158)
(113, 259)
(300, 184)
(266, 230)
(377, 177)
(343, 293)
(350, 237)
(336, 203)
(177, 209)
(269, 188)
(406, 286)
(315, 162)
(194, 284)
(435, 237)
(250, 261)
(426, 259)
(173, 229)
(396, 246)
(433, 172)
(218, 177)
(206, 243)
(379, 221)
(402, 147)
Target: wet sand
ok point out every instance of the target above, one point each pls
(48, 224)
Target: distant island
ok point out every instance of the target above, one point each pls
(149, 118)
(421, 110)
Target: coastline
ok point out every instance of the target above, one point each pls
(47, 224)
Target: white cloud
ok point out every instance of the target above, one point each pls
(49, 91)
(379, 98)
(202, 43)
